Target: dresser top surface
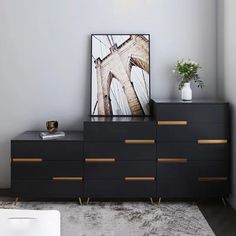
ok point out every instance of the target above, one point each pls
(119, 119)
(176, 101)
(34, 136)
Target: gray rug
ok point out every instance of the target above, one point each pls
(125, 219)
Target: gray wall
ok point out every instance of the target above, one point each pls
(227, 70)
(45, 49)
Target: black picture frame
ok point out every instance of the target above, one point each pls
(91, 72)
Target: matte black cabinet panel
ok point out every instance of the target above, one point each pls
(48, 150)
(27, 149)
(119, 170)
(176, 171)
(212, 168)
(64, 150)
(47, 189)
(121, 151)
(119, 131)
(177, 188)
(46, 170)
(120, 189)
(207, 152)
(191, 133)
(213, 188)
(191, 112)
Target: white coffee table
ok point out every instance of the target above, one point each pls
(29, 222)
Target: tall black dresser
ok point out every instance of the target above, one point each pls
(181, 151)
(192, 148)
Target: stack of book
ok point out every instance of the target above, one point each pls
(49, 136)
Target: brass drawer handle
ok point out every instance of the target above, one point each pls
(213, 141)
(68, 178)
(139, 141)
(139, 178)
(174, 122)
(100, 159)
(205, 179)
(172, 160)
(27, 159)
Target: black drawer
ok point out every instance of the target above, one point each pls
(191, 133)
(120, 151)
(177, 188)
(193, 151)
(47, 189)
(120, 189)
(46, 170)
(213, 188)
(97, 170)
(176, 171)
(51, 150)
(64, 150)
(27, 149)
(119, 131)
(212, 168)
(192, 113)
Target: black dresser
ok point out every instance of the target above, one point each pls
(182, 151)
(192, 148)
(120, 157)
(47, 169)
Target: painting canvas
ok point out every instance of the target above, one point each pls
(120, 75)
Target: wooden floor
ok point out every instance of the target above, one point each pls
(222, 219)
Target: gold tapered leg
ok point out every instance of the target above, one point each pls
(87, 202)
(223, 201)
(16, 200)
(80, 201)
(152, 202)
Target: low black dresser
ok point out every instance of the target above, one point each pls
(120, 158)
(47, 169)
(192, 148)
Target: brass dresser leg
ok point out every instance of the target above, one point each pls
(87, 202)
(151, 199)
(80, 201)
(16, 200)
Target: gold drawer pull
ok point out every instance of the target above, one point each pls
(100, 159)
(213, 141)
(172, 160)
(68, 178)
(174, 122)
(139, 141)
(139, 178)
(27, 159)
(205, 179)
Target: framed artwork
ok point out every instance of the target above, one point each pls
(120, 83)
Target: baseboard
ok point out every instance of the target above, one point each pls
(5, 192)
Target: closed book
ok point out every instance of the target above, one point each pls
(49, 136)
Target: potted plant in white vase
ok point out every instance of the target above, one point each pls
(187, 71)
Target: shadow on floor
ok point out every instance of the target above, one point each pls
(222, 219)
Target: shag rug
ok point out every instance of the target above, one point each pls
(124, 219)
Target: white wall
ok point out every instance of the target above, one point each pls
(45, 49)
(227, 51)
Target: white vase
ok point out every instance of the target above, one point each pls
(186, 93)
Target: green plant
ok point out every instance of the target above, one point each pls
(187, 70)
